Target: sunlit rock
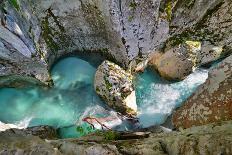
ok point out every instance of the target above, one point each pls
(212, 102)
(115, 86)
(177, 62)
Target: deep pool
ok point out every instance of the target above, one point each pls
(72, 98)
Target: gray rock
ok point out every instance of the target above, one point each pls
(178, 62)
(115, 86)
(122, 30)
(212, 139)
(211, 102)
(44, 132)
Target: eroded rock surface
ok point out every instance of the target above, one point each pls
(115, 86)
(34, 34)
(178, 62)
(44, 132)
(209, 139)
(212, 102)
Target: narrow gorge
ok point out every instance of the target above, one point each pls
(115, 77)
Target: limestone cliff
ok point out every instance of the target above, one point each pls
(34, 34)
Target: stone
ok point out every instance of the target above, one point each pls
(44, 132)
(115, 86)
(209, 53)
(13, 143)
(178, 62)
(212, 139)
(212, 102)
(122, 30)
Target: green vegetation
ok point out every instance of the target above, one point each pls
(108, 84)
(111, 135)
(130, 18)
(133, 5)
(15, 4)
(168, 9)
(54, 36)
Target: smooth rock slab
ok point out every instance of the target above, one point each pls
(212, 102)
(115, 86)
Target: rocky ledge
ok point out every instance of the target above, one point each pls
(208, 139)
(212, 102)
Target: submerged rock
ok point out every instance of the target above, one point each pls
(115, 86)
(212, 102)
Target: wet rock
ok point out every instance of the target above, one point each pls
(177, 62)
(115, 86)
(212, 102)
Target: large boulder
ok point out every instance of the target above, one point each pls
(212, 102)
(177, 62)
(115, 86)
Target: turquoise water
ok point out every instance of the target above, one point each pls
(157, 98)
(73, 98)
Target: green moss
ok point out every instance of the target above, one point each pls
(15, 4)
(54, 36)
(48, 36)
(130, 18)
(97, 89)
(111, 135)
(133, 5)
(108, 84)
(168, 9)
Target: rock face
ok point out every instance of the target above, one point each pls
(115, 86)
(208, 139)
(178, 62)
(44, 132)
(212, 102)
(13, 143)
(34, 34)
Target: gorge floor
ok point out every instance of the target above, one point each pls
(73, 98)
